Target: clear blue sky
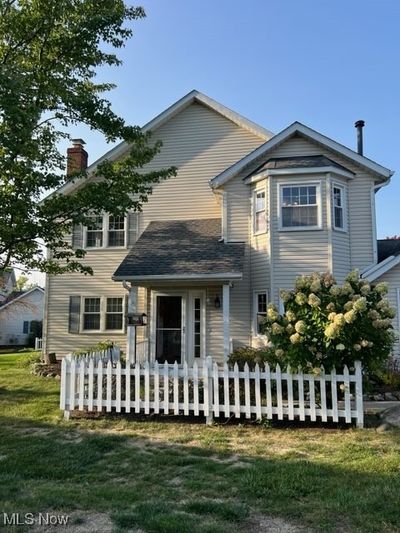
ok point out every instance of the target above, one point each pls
(323, 63)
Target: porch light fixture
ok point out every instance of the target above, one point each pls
(217, 302)
(144, 319)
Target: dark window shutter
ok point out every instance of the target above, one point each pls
(77, 236)
(74, 314)
(132, 228)
(26, 327)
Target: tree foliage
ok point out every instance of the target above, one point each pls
(331, 325)
(50, 54)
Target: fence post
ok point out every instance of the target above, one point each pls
(209, 363)
(359, 395)
(65, 404)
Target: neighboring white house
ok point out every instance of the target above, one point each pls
(246, 213)
(18, 314)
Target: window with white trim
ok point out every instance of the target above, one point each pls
(260, 310)
(260, 218)
(106, 231)
(338, 206)
(300, 206)
(102, 313)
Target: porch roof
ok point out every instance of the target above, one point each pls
(182, 250)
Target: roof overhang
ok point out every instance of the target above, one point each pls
(192, 97)
(376, 271)
(298, 172)
(180, 278)
(381, 172)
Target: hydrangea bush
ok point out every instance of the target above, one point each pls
(331, 325)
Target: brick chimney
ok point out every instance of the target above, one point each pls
(77, 158)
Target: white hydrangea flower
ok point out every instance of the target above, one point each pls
(300, 326)
(301, 298)
(350, 316)
(340, 347)
(339, 319)
(382, 287)
(360, 304)
(313, 300)
(295, 338)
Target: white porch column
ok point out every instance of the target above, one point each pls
(225, 313)
(131, 330)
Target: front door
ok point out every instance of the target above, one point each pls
(169, 328)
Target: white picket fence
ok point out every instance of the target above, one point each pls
(211, 390)
(38, 344)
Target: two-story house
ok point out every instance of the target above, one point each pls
(247, 212)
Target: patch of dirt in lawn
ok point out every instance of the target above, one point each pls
(34, 431)
(258, 523)
(79, 522)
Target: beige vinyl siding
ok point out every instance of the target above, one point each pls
(296, 252)
(392, 277)
(238, 209)
(361, 220)
(200, 143)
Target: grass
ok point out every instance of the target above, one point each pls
(118, 474)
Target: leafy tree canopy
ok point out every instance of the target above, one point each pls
(50, 51)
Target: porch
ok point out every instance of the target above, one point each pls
(179, 277)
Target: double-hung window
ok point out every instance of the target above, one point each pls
(338, 207)
(102, 314)
(260, 310)
(300, 205)
(260, 218)
(106, 231)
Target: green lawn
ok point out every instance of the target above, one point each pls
(115, 474)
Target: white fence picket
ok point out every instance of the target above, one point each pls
(257, 392)
(196, 390)
(269, 391)
(300, 385)
(322, 384)
(335, 415)
(176, 389)
(278, 377)
(166, 388)
(347, 398)
(289, 380)
(237, 390)
(156, 388)
(146, 388)
(109, 386)
(252, 390)
(118, 387)
(247, 391)
(227, 409)
(128, 387)
(81, 401)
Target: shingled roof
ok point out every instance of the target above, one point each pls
(182, 249)
(388, 247)
(309, 161)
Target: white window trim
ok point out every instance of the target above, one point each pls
(255, 193)
(344, 206)
(106, 225)
(103, 310)
(317, 184)
(255, 312)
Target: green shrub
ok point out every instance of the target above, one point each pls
(252, 356)
(99, 347)
(331, 325)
